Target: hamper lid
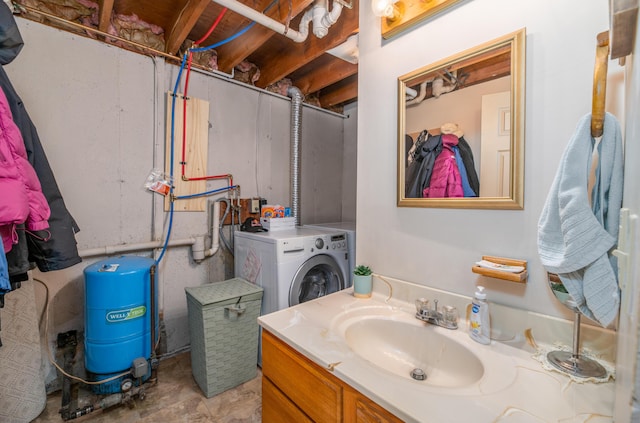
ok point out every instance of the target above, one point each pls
(228, 290)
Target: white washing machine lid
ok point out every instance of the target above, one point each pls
(342, 226)
(282, 234)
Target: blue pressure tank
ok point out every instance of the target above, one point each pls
(118, 313)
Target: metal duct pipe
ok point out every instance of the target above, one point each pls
(296, 156)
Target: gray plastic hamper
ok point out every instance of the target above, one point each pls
(223, 327)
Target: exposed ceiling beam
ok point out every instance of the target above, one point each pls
(347, 91)
(322, 72)
(292, 56)
(236, 51)
(106, 8)
(183, 23)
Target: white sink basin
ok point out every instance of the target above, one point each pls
(399, 346)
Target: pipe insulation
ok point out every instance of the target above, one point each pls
(295, 149)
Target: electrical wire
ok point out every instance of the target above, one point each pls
(45, 312)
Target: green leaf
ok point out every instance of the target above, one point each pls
(362, 270)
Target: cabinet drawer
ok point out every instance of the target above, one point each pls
(276, 408)
(302, 381)
(360, 409)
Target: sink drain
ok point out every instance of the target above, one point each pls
(418, 374)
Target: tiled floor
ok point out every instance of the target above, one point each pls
(175, 398)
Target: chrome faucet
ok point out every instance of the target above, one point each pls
(447, 319)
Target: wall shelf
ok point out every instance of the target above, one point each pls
(520, 277)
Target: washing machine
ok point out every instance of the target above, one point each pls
(350, 229)
(293, 265)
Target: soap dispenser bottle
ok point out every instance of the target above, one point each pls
(479, 323)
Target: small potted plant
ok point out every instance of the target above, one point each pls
(362, 283)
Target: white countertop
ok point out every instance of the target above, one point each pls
(514, 387)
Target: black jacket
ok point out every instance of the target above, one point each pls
(55, 249)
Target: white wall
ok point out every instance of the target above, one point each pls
(437, 247)
(434, 112)
(100, 112)
(628, 351)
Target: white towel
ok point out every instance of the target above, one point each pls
(575, 241)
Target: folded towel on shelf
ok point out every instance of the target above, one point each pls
(575, 241)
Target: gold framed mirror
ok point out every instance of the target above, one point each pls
(471, 107)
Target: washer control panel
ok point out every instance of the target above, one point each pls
(329, 242)
(338, 241)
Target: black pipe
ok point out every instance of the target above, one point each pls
(67, 342)
(152, 273)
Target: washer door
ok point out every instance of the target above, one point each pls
(317, 277)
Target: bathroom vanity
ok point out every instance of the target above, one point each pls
(344, 359)
(294, 387)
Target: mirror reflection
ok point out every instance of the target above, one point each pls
(461, 129)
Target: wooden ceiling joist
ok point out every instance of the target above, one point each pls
(234, 52)
(293, 55)
(347, 92)
(183, 23)
(323, 72)
(106, 8)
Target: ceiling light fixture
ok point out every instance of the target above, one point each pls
(390, 9)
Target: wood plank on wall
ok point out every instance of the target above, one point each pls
(196, 150)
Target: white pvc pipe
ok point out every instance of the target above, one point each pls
(215, 232)
(125, 248)
(410, 93)
(266, 21)
(418, 99)
(196, 243)
(321, 17)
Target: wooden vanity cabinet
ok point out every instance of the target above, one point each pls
(360, 409)
(295, 389)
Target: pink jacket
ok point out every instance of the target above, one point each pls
(21, 198)
(445, 178)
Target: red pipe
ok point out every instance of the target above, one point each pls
(183, 162)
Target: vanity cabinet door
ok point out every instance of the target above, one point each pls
(276, 407)
(360, 409)
(313, 390)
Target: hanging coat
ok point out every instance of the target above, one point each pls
(445, 180)
(57, 248)
(418, 174)
(466, 154)
(22, 200)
